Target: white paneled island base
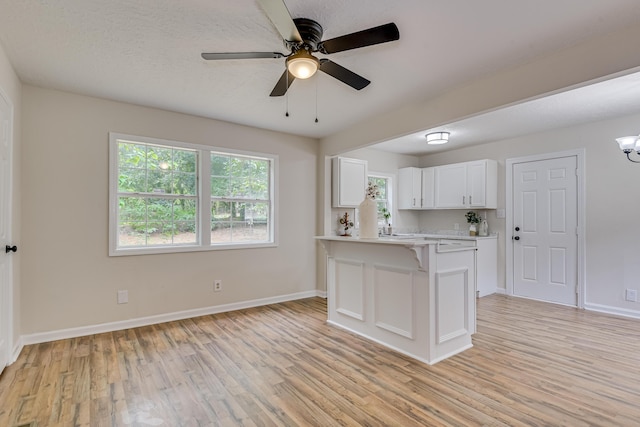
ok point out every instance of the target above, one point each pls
(409, 295)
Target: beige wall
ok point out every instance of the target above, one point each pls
(68, 278)
(11, 88)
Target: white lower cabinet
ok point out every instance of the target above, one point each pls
(486, 266)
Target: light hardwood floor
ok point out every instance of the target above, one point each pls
(531, 364)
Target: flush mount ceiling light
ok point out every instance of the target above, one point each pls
(628, 144)
(302, 64)
(437, 138)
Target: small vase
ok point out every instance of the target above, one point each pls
(472, 230)
(368, 213)
(484, 228)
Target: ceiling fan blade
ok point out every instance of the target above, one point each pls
(283, 84)
(279, 15)
(241, 55)
(345, 76)
(382, 34)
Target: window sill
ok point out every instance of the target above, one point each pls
(188, 248)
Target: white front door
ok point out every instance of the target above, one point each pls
(545, 229)
(5, 230)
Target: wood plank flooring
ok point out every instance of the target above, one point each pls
(532, 364)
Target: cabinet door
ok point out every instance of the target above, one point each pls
(487, 266)
(349, 182)
(409, 188)
(428, 188)
(451, 185)
(476, 184)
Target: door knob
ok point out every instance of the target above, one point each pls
(516, 238)
(8, 248)
(517, 228)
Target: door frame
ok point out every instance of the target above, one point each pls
(8, 297)
(581, 210)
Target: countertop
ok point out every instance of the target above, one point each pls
(386, 240)
(439, 236)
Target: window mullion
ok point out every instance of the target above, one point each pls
(204, 205)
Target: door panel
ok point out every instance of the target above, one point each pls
(545, 230)
(5, 230)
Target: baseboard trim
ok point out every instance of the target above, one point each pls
(160, 318)
(617, 311)
(17, 348)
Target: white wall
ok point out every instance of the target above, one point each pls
(612, 236)
(69, 280)
(12, 89)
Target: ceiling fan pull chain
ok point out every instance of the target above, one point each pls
(316, 99)
(286, 95)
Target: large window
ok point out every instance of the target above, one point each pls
(161, 201)
(239, 198)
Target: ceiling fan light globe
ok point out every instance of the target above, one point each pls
(302, 65)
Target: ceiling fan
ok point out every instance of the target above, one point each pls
(303, 37)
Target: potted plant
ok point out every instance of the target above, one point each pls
(473, 219)
(387, 215)
(346, 223)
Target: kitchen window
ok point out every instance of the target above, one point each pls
(168, 196)
(384, 198)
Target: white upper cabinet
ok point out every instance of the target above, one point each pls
(428, 188)
(409, 188)
(349, 184)
(415, 188)
(451, 186)
(482, 184)
(467, 185)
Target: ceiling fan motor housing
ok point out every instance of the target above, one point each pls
(311, 33)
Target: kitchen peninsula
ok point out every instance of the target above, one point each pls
(412, 295)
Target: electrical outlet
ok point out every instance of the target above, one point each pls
(217, 285)
(631, 295)
(123, 297)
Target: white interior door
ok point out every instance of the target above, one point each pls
(5, 230)
(545, 229)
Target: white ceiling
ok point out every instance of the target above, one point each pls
(147, 52)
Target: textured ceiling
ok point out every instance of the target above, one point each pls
(148, 51)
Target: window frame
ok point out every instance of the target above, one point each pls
(389, 199)
(203, 198)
